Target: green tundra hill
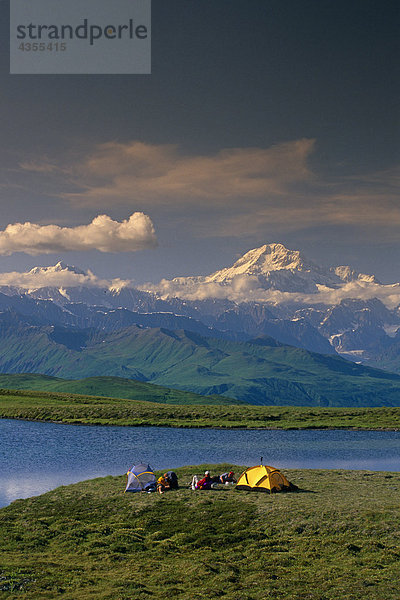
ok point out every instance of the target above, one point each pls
(336, 538)
(261, 371)
(112, 387)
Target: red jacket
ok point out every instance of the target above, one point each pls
(205, 483)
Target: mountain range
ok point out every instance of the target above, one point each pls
(257, 371)
(272, 266)
(268, 291)
(65, 322)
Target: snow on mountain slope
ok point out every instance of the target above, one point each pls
(263, 260)
(59, 267)
(270, 290)
(346, 273)
(271, 272)
(61, 283)
(273, 261)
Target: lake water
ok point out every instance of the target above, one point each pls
(37, 457)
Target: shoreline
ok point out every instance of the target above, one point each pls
(74, 409)
(198, 426)
(290, 471)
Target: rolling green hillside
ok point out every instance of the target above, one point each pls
(261, 371)
(111, 387)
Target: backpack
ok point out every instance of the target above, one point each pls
(172, 480)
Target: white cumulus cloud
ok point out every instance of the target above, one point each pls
(242, 191)
(103, 234)
(245, 288)
(59, 278)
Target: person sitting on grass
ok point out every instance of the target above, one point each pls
(163, 484)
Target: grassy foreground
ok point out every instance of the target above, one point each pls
(70, 408)
(338, 537)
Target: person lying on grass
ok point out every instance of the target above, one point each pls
(225, 478)
(208, 482)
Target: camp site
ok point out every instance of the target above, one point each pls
(108, 536)
(199, 300)
(92, 540)
(262, 478)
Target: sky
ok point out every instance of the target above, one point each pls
(262, 121)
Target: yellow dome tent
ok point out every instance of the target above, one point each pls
(264, 479)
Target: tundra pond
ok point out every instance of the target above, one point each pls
(36, 457)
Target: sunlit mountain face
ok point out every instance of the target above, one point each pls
(270, 290)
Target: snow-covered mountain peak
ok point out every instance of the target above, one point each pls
(347, 274)
(263, 260)
(60, 266)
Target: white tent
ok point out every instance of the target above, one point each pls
(141, 478)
